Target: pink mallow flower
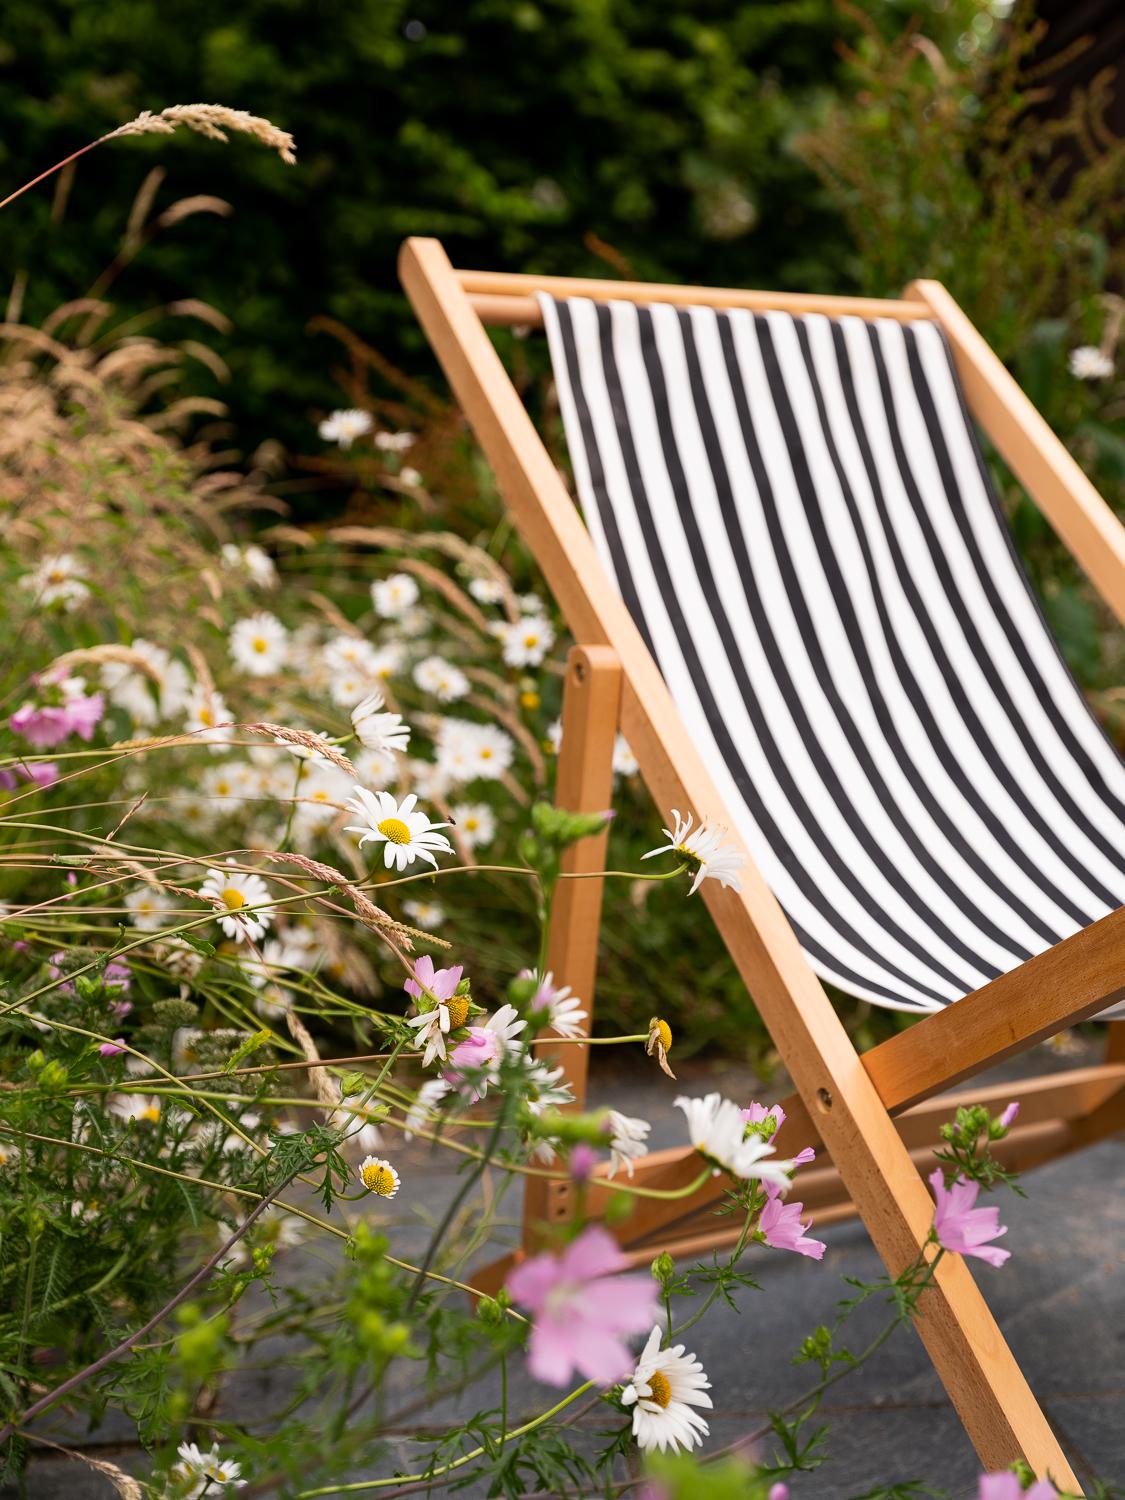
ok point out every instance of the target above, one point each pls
(781, 1222)
(582, 1309)
(443, 984)
(961, 1227)
(483, 1049)
(113, 1049)
(47, 726)
(778, 1491)
(1006, 1486)
(759, 1112)
(1008, 1118)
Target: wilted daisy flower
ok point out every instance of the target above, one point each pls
(395, 442)
(702, 853)
(57, 579)
(624, 761)
(259, 645)
(238, 892)
(207, 717)
(376, 730)
(379, 1176)
(718, 1133)
(392, 596)
(486, 590)
(1088, 363)
(475, 823)
(437, 676)
(149, 908)
(525, 644)
(407, 834)
(204, 1471)
(344, 427)
(628, 1140)
(665, 1386)
(425, 914)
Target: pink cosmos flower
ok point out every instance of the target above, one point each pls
(1006, 1486)
(778, 1491)
(961, 1227)
(483, 1048)
(120, 1009)
(443, 983)
(782, 1227)
(1008, 1118)
(85, 714)
(582, 1309)
(113, 1049)
(804, 1156)
(581, 1162)
(42, 773)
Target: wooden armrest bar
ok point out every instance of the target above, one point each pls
(489, 290)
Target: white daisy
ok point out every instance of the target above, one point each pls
(322, 795)
(389, 660)
(1088, 363)
(665, 1386)
(149, 907)
(58, 579)
(475, 823)
(238, 892)
(260, 644)
(378, 1176)
(394, 595)
(427, 1097)
(701, 850)
(395, 442)
(204, 1471)
(628, 1140)
(430, 779)
(348, 653)
(410, 476)
(378, 731)
(133, 690)
(425, 914)
(344, 427)
(223, 786)
(717, 1132)
(134, 1107)
(413, 622)
(437, 676)
(376, 768)
(625, 763)
(407, 834)
(561, 1006)
(260, 566)
(554, 734)
(530, 604)
(486, 590)
(207, 717)
(349, 688)
(525, 644)
(470, 752)
(546, 1090)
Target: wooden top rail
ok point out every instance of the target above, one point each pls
(500, 299)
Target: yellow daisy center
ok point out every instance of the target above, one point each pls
(661, 1390)
(486, 754)
(379, 1180)
(458, 1009)
(233, 899)
(205, 717)
(395, 830)
(151, 1113)
(664, 1031)
(260, 645)
(530, 640)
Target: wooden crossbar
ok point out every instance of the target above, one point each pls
(984, 1382)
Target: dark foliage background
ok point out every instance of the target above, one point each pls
(510, 129)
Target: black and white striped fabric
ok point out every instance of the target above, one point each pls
(797, 515)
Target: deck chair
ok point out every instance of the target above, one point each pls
(794, 593)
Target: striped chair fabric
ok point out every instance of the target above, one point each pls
(798, 517)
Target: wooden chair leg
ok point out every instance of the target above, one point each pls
(584, 784)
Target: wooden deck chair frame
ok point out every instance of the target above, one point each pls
(876, 1115)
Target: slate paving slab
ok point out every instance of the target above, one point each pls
(1060, 1302)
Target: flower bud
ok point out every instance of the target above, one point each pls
(36, 1061)
(352, 1083)
(54, 1078)
(663, 1268)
